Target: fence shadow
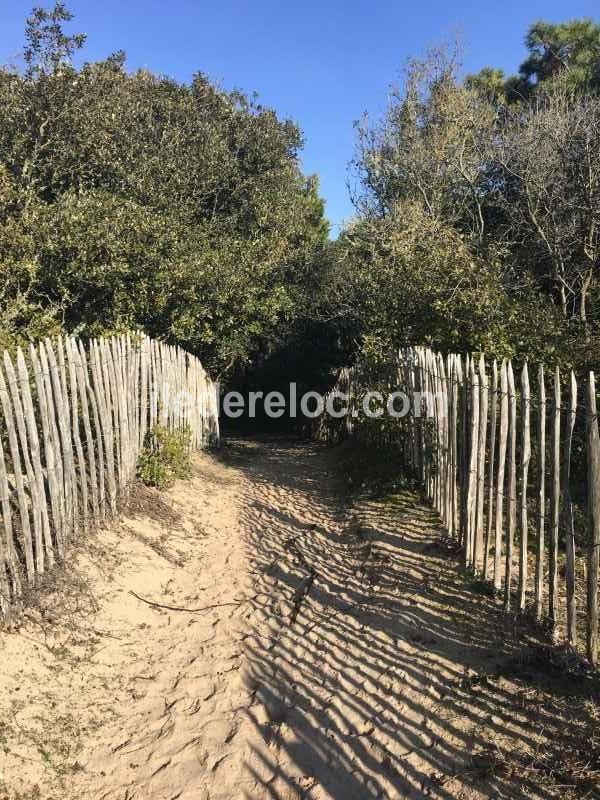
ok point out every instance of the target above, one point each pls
(378, 670)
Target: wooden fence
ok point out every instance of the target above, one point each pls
(73, 420)
(512, 465)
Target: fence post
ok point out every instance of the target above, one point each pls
(501, 471)
(473, 464)
(23, 503)
(593, 556)
(554, 503)
(443, 422)
(540, 551)
(525, 458)
(512, 486)
(567, 510)
(13, 578)
(492, 455)
(478, 557)
(451, 426)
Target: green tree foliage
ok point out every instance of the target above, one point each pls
(48, 47)
(24, 313)
(478, 222)
(570, 50)
(410, 278)
(137, 201)
(565, 54)
(549, 160)
(432, 147)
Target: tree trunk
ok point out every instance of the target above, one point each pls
(563, 299)
(583, 306)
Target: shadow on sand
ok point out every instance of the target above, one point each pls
(379, 671)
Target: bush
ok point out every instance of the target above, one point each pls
(165, 457)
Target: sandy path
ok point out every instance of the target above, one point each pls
(105, 696)
(381, 672)
(339, 655)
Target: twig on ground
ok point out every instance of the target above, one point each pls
(189, 610)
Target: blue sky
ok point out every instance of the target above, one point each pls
(320, 63)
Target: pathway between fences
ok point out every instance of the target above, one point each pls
(256, 632)
(250, 636)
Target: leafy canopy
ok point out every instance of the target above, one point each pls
(135, 201)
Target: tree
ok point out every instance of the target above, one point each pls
(179, 209)
(565, 55)
(489, 83)
(47, 45)
(550, 153)
(411, 279)
(568, 52)
(24, 313)
(433, 148)
(511, 192)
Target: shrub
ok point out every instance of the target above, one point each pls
(165, 457)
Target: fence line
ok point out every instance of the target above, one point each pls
(496, 459)
(72, 425)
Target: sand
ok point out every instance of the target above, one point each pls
(298, 646)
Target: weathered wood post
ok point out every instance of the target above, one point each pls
(500, 481)
(512, 486)
(593, 559)
(525, 458)
(491, 474)
(554, 504)
(567, 513)
(540, 550)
